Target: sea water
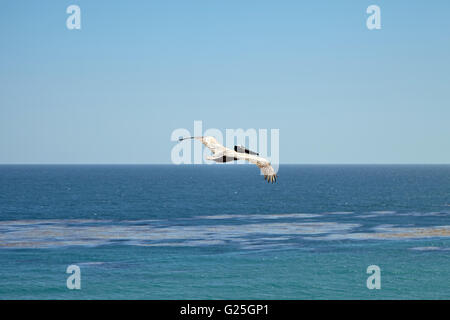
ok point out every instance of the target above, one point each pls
(223, 232)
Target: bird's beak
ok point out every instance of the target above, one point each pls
(185, 138)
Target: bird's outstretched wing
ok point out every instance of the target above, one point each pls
(221, 157)
(269, 173)
(263, 164)
(243, 149)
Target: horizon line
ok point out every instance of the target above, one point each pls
(206, 164)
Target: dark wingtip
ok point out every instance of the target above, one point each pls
(271, 179)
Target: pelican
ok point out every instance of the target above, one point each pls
(223, 154)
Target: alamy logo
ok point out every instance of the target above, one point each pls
(74, 280)
(251, 139)
(374, 20)
(74, 20)
(374, 281)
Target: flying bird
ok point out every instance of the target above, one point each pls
(223, 154)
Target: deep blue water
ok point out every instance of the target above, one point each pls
(222, 232)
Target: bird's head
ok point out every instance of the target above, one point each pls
(209, 140)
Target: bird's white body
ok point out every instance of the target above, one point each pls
(223, 154)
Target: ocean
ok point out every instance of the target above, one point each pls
(222, 232)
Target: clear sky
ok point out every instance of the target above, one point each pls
(114, 91)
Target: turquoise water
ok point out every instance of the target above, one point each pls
(221, 232)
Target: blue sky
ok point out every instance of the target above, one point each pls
(114, 91)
